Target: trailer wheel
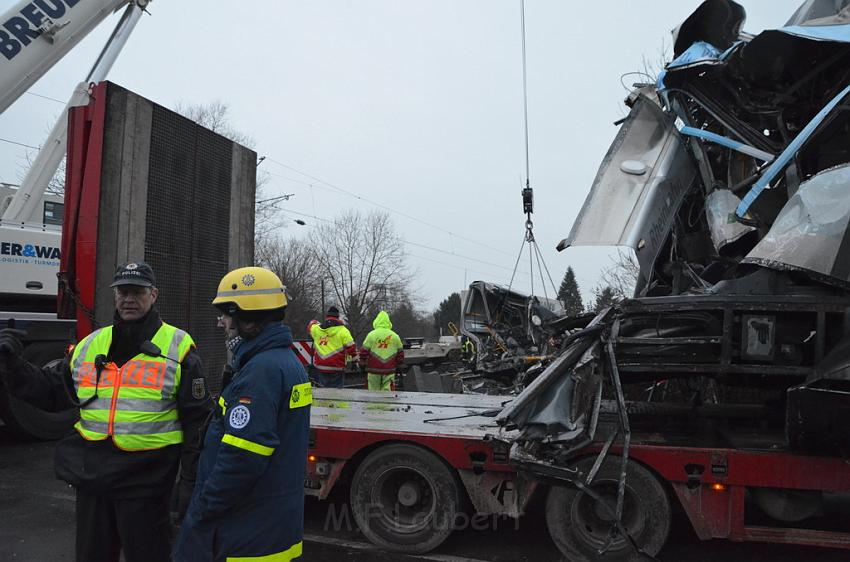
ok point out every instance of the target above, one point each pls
(581, 527)
(405, 498)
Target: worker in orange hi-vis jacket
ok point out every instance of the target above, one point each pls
(333, 346)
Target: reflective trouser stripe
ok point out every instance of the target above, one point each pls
(247, 445)
(290, 553)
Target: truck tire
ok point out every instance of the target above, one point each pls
(27, 421)
(580, 527)
(405, 499)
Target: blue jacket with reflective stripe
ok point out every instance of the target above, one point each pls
(249, 492)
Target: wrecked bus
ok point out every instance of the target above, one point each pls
(724, 383)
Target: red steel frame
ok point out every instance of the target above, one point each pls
(82, 203)
(712, 493)
(344, 444)
(714, 499)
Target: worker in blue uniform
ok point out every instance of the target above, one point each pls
(249, 493)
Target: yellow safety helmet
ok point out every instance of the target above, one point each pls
(250, 289)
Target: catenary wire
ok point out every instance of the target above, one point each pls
(20, 144)
(385, 207)
(416, 244)
(47, 98)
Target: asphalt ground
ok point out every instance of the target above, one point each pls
(37, 525)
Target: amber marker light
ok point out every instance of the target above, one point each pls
(311, 458)
(718, 487)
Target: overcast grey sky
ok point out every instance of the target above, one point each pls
(416, 105)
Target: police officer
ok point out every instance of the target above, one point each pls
(332, 348)
(140, 388)
(249, 498)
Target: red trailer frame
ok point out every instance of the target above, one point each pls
(710, 483)
(713, 493)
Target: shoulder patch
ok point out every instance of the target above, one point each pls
(199, 388)
(302, 395)
(239, 417)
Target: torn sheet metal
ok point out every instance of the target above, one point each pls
(562, 403)
(725, 229)
(821, 12)
(811, 231)
(640, 186)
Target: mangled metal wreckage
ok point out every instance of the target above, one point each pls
(730, 180)
(513, 334)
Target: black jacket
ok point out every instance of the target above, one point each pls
(99, 467)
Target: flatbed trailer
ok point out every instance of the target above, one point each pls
(414, 461)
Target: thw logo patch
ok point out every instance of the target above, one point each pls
(302, 395)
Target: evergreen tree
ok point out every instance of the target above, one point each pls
(447, 311)
(605, 297)
(569, 294)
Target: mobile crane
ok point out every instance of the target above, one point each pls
(34, 36)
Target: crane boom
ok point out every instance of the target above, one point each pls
(36, 34)
(53, 150)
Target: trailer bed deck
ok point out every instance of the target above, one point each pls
(456, 415)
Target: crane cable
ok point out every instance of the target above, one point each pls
(528, 192)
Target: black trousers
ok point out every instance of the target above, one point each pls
(140, 527)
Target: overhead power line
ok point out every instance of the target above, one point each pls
(19, 144)
(386, 208)
(452, 265)
(416, 244)
(47, 98)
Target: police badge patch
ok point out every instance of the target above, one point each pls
(199, 389)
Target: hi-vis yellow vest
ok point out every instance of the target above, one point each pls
(136, 405)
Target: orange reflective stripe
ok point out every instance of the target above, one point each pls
(131, 373)
(154, 375)
(134, 374)
(86, 374)
(109, 375)
(143, 374)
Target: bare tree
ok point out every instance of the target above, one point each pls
(214, 116)
(56, 185)
(362, 261)
(295, 263)
(621, 276)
